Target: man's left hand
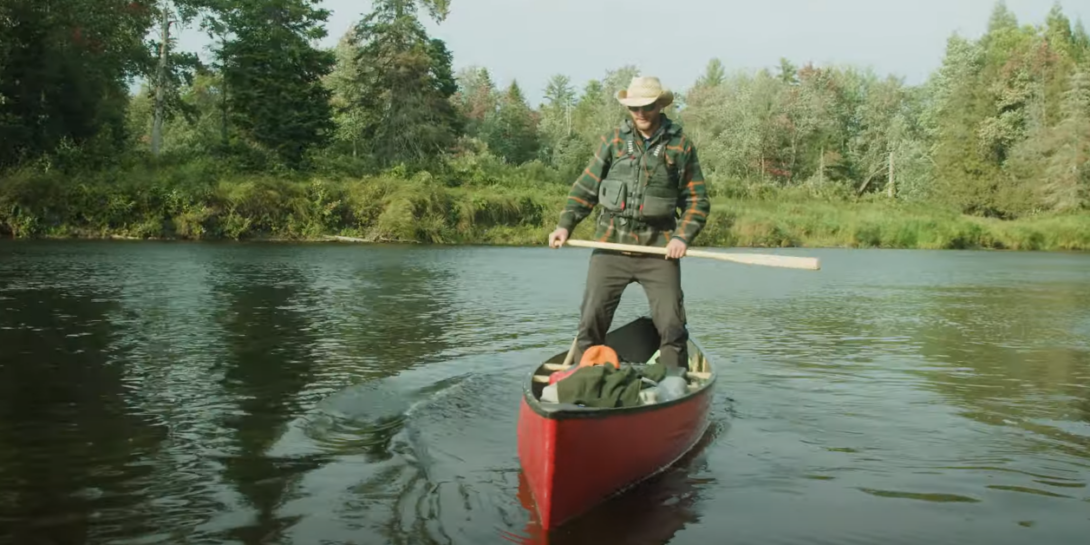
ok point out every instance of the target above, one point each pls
(675, 249)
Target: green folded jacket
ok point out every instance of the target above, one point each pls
(605, 386)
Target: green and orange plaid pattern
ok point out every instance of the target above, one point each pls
(694, 200)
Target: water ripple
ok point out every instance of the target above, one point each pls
(170, 393)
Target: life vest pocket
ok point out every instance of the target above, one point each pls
(612, 194)
(659, 202)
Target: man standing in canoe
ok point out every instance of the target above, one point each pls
(642, 172)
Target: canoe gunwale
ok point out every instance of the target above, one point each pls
(554, 411)
(565, 411)
(552, 436)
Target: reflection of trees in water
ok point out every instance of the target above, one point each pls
(67, 440)
(394, 313)
(826, 331)
(269, 338)
(1022, 351)
(291, 328)
(1084, 407)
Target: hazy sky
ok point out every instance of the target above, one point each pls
(530, 40)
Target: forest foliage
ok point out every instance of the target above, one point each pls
(279, 136)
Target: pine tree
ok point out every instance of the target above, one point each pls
(512, 133)
(1067, 174)
(403, 80)
(274, 75)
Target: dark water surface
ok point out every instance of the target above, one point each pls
(313, 394)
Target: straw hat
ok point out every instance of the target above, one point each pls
(643, 91)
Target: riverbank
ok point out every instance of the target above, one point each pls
(430, 211)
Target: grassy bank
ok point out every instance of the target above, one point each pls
(425, 209)
(879, 224)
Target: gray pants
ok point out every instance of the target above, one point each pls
(608, 276)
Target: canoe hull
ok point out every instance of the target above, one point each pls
(575, 459)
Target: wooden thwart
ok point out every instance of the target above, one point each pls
(791, 262)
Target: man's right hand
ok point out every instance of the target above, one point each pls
(558, 237)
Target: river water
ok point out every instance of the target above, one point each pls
(313, 394)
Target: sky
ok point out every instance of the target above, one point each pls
(530, 40)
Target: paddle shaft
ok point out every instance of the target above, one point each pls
(571, 352)
(791, 262)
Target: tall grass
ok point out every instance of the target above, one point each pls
(469, 204)
(878, 224)
(178, 204)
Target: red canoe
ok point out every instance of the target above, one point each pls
(575, 458)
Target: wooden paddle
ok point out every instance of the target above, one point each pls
(571, 352)
(791, 262)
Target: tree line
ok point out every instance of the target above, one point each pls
(1000, 129)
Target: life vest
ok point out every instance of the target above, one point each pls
(642, 185)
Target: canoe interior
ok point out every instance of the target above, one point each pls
(634, 342)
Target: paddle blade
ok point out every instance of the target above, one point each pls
(767, 260)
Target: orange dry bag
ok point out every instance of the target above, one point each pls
(596, 355)
(600, 354)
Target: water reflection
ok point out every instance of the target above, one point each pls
(394, 312)
(67, 439)
(306, 341)
(248, 393)
(445, 470)
(1012, 357)
(268, 336)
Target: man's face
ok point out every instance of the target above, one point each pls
(645, 117)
